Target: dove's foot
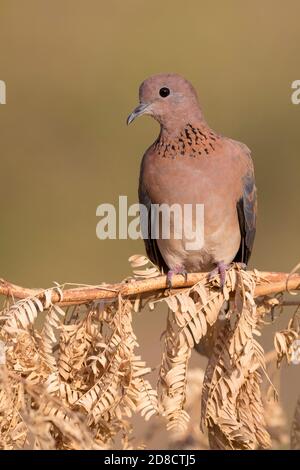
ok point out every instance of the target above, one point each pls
(173, 272)
(221, 271)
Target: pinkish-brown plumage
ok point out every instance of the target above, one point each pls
(190, 163)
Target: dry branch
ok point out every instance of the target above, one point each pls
(268, 283)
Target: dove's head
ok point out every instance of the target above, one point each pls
(170, 99)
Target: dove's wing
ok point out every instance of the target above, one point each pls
(247, 208)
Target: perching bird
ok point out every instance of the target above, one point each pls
(189, 163)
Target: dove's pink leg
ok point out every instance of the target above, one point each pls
(173, 272)
(221, 270)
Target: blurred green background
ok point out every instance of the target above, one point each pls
(72, 70)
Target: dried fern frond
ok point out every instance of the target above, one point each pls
(149, 269)
(80, 368)
(287, 342)
(72, 377)
(173, 372)
(191, 313)
(231, 402)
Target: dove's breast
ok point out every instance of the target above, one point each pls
(209, 234)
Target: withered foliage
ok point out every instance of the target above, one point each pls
(71, 377)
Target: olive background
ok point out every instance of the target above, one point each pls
(72, 70)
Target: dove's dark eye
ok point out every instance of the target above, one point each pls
(164, 92)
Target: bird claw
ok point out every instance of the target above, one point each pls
(221, 271)
(173, 272)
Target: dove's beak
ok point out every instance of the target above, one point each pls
(138, 111)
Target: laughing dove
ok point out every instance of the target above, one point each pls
(189, 163)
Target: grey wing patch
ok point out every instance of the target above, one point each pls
(246, 205)
(247, 208)
(151, 245)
